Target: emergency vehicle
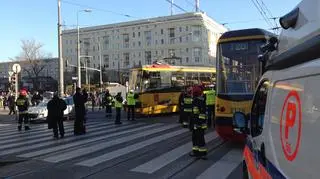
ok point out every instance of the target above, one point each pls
(283, 127)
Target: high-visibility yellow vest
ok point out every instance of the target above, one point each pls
(117, 104)
(130, 99)
(210, 97)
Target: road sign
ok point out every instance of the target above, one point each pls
(16, 68)
(10, 73)
(290, 125)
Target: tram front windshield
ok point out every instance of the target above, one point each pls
(238, 67)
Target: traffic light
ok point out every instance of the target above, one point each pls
(13, 79)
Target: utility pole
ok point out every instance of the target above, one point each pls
(61, 79)
(78, 52)
(197, 5)
(171, 7)
(100, 58)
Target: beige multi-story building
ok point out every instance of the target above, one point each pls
(191, 37)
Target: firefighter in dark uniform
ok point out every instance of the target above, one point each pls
(210, 97)
(108, 103)
(199, 149)
(187, 109)
(118, 104)
(22, 103)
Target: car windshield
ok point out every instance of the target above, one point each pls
(42, 104)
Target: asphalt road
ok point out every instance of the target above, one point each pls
(154, 147)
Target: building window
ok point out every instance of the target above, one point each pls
(162, 41)
(106, 60)
(133, 44)
(180, 29)
(161, 31)
(156, 52)
(172, 41)
(94, 48)
(187, 50)
(187, 39)
(139, 54)
(156, 42)
(133, 34)
(67, 42)
(106, 42)
(148, 57)
(113, 63)
(197, 54)
(147, 35)
(138, 34)
(187, 59)
(187, 28)
(139, 43)
(126, 59)
(171, 52)
(171, 32)
(126, 40)
(196, 33)
(180, 39)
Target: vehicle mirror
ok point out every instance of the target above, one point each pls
(240, 122)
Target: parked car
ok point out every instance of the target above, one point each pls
(40, 112)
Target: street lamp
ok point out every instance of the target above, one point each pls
(78, 46)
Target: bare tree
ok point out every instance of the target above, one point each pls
(31, 60)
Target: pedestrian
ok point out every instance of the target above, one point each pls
(56, 107)
(108, 103)
(118, 105)
(23, 105)
(210, 98)
(199, 149)
(93, 101)
(11, 104)
(131, 103)
(180, 106)
(79, 103)
(36, 99)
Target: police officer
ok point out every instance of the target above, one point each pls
(131, 103)
(199, 124)
(108, 103)
(22, 103)
(210, 97)
(187, 109)
(118, 105)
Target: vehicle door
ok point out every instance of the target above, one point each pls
(255, 149)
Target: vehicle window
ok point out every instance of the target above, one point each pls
(258, 109)
(177, 79)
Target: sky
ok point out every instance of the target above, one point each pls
(37, 19)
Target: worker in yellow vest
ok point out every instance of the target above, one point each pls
(131, 103)
(210, 97)
(118, 105)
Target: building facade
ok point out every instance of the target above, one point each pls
(191, 37)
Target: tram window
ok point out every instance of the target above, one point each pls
(192, 78)
(177, 79)
(258, 109)
(206, 78)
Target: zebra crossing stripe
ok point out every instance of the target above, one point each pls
(4, 125)
(86, 141)
(117, 153)
(39, 138)
(31, 132)
(102, 145)
(223, 168)
(34, 128)
(163, 160)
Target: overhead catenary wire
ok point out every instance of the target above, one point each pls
(98, 9)
(177, 6)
